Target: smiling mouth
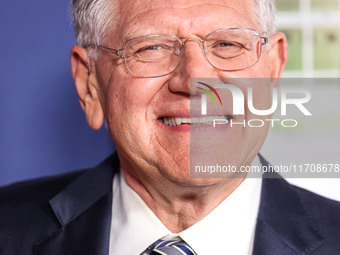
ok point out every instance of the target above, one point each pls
(177, 121)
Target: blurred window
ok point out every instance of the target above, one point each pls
(324, 5)
(313, 32)
(327, 48)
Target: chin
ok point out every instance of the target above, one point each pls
(188, 181)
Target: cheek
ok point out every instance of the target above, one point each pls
(126, 106)
(259, 98)
(130, 111)
(260, 69)
(262, 100)
(126, 98)
(134, 94)
(257, 126)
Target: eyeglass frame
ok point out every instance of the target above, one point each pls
(118, 51)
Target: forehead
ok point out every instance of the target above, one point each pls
(181, 18)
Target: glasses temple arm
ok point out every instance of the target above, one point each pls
(116, 51)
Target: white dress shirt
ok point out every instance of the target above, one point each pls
(228, 229)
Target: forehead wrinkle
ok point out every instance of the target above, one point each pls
(133, 23)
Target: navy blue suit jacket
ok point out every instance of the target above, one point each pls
(71, 214)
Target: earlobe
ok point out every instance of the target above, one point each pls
(278, 54)
(86, 86)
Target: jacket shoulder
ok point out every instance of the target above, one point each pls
(321, 208)
(325, 213)
(35, 190)
(25, 212)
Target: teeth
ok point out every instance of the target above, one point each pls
(185, 120)
(172, 121)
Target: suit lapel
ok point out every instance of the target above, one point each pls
(283, 226)
(83, 210)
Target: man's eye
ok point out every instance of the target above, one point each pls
(225, 44)
(152, 47)
(230, 45)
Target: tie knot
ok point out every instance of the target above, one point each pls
(169, 246)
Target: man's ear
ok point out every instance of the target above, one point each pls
(278, 54)
(87, 86)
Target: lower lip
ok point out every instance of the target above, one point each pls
(196, 127)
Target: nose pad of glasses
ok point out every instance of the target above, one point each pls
(178, 52)
(196, 39)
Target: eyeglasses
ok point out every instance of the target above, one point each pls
(229, 49)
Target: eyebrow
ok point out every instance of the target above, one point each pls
(134, 34)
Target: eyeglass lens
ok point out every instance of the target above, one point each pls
(157, 55)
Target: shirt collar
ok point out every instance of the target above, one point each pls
(134, 226)
(229, 227)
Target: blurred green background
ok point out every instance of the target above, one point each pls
(312, 28)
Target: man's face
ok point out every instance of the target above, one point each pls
(134, 107)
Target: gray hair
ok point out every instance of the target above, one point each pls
(93, 18)
(265, 14)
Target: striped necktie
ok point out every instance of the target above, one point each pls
(169, 246)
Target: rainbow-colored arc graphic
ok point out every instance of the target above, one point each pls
(209, 93)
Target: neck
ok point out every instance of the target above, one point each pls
(180, 205)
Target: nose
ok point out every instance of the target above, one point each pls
(194, 64)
